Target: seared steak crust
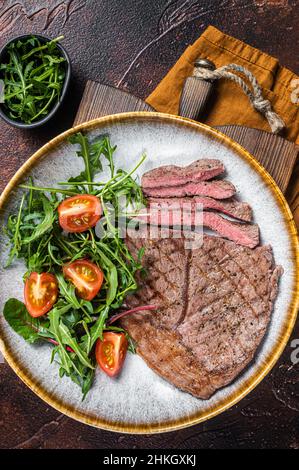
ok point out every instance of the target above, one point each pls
(215, 304)
(172, 175)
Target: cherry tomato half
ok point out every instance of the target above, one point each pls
(40, 293)
(86, 277)
(111, 352)
(79, 213)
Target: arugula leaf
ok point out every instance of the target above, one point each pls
(87, 382)
(108, 152)
(96, 331)
(67, 290)
(17, 316)
(45, 225)
(54, 317)
(111, 276)
(13, 227)
(91, 153)
(67, 339)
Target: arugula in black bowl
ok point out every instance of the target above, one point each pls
(35, 72)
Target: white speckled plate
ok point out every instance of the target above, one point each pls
(140, 401)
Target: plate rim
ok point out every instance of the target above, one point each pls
(286, 328)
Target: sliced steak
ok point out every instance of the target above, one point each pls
(211, 319)
(243, 234)
(231, 207)
(172, 175)
(218, 189)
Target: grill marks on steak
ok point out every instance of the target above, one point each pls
(163, 351)
(204, 341)
(230, 309)
(166, 268)
(172, 175)
(218, 189)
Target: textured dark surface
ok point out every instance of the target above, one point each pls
(132, 44)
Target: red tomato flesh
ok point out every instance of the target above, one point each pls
(86, 277)
(79, 213)
(40, 293)
(111, 352)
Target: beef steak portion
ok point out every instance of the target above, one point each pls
(172, 175)
(218, 189)
(230, 207)
(215, 303)
(243, 234)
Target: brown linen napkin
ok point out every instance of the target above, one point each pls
(231, 106)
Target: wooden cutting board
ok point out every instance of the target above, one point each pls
(275, 153)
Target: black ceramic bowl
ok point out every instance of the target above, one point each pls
(56, 106)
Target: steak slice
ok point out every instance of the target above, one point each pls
(218, 189)
(226, 294)
(243, 234)
(231, 207)
(172, 175)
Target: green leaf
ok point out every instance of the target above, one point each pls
(54, 317)
(67, 290)
(91, 152)
(110, 275)
(45, 225)
(87, 382)
(70, 341)
(16, 314)
(96, 331)
(108, 152)
(13, 227)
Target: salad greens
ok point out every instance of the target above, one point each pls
(33, 73)
(73, 325)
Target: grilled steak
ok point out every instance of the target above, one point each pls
(232, 207)
(243, 234)
(215, 304)
(172, 175)
(218, 189)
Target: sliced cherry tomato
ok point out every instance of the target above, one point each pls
(40, 293)
(79, 213)
(86, 277)
(111, 352)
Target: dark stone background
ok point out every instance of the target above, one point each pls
(133, 43)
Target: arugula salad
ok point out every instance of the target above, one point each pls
(77, 279)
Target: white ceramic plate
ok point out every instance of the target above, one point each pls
(139, 400)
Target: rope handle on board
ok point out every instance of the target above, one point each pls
(205, 70)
